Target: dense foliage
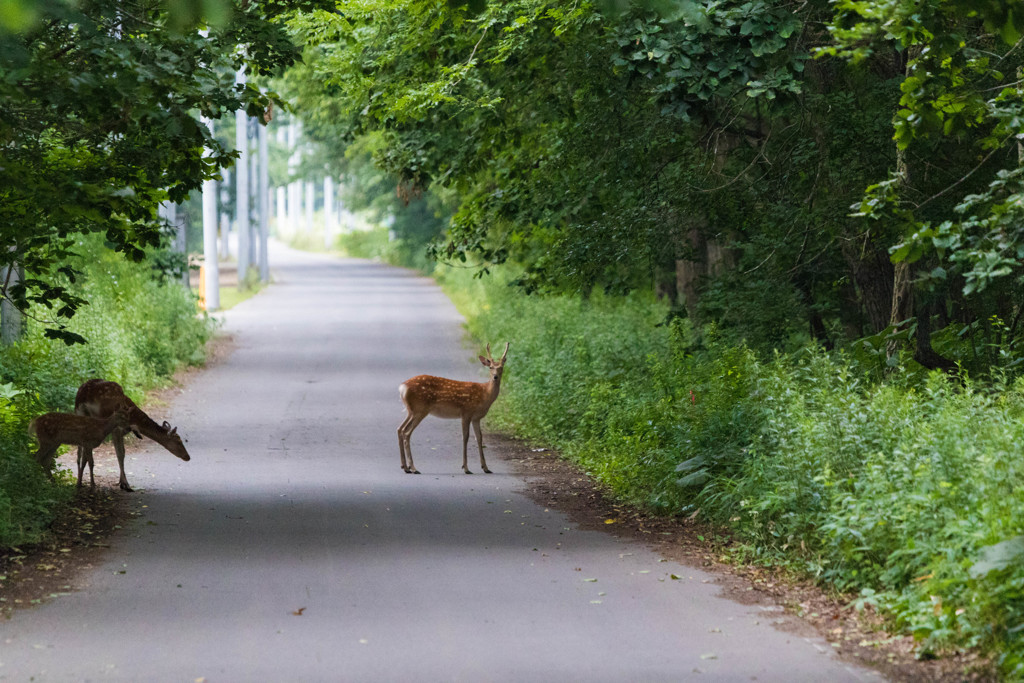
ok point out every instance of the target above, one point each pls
(711, 152)
(140, 326)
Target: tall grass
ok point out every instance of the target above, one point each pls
(140, 329)
(908, 495)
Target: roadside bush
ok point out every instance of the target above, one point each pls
(139, 330)
(907, 492)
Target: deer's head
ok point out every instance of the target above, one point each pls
(495, 366)
(173, 442)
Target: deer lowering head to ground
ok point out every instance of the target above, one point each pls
(99, 398)
(447, 398)
(54, 429)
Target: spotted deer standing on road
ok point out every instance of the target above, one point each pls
(447, 398)
(99, 398)
(54, 429)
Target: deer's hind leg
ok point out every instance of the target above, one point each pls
(405, 443)
(44, 456)
(85, 457)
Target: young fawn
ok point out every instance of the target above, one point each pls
(447, 398)
(100, 398)
(54, 429)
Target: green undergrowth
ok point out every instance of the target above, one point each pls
(906, 493)
(376, 245)
(140, 328)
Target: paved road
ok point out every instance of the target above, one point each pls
(293, 548)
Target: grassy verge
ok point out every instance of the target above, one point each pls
(907, 495)
(232, 295)
(140, 329)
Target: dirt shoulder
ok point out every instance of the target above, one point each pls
(78, 538)
(858, 637)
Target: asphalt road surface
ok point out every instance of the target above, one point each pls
(293, 548)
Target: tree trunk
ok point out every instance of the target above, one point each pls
(902, 302)
(689, 273)
(924, 353)
(12, 321)
(872, 273)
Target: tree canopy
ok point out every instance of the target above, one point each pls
(851, 162)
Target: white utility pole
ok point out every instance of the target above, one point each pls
(282, 209)
(242, 186)
(264, 203)
(211, 268)
(329, 219)
(294, 185)
(310, 201)
(224, 224)
(168, 210)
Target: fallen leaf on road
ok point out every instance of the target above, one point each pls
(674, 577)
(299, 611)
(710, 655)
(610, 521)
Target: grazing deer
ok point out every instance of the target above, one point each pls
(447, 398)
(99, 398)
(54, 429)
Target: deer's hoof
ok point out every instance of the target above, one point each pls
(126, 487)
(488, 471)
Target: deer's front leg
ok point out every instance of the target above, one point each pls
(465, 444)
(118, 439)
(480, 445)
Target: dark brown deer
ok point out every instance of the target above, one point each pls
(99, 398)
(447, 398)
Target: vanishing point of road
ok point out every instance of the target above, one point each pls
(293, 548)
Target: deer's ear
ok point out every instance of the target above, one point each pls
(173, 431)
(167, 426)
(485, 361)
